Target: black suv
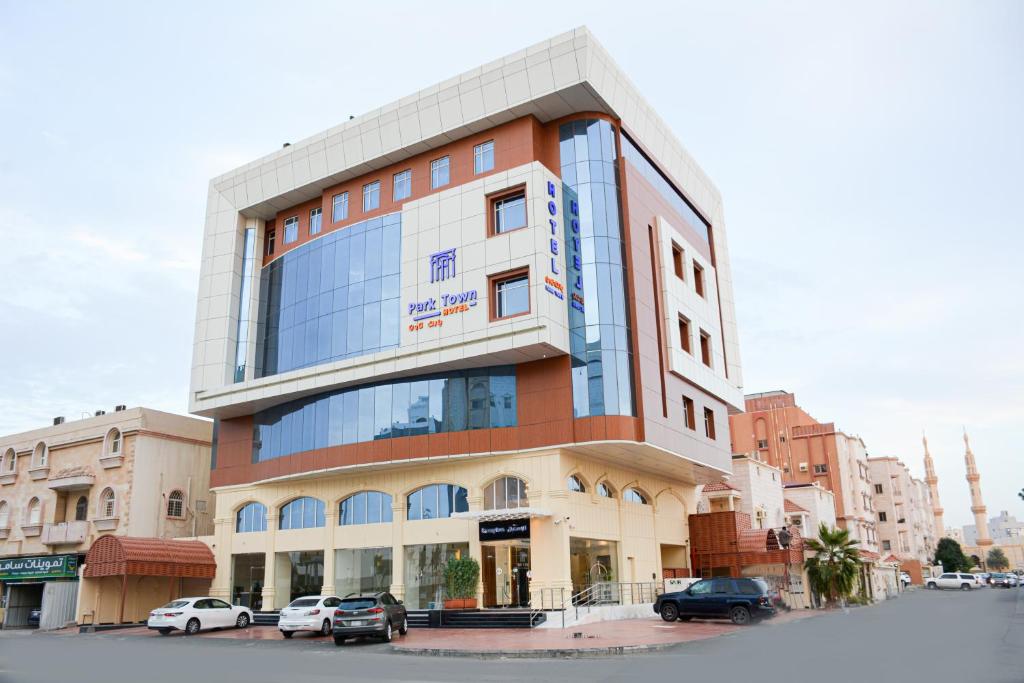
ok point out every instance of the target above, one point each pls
(374, 614)
(739, 600)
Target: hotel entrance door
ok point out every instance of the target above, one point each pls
(506, 574)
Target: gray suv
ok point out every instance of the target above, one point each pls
(374, 614)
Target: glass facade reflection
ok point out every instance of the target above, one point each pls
(244, 307)
(437, 501)
(332, 298)
(302, 513)
(430, 404)
(252, 517)
(424, 572)
(366, 507)
(600, 345)
(362, 570)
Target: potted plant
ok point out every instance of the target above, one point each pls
(461, 577)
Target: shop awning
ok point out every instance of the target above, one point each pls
(130, 556)
(501, 515)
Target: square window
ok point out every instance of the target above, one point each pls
(483, 157)
(371, 196)
(821, 469)
(402, 186)
(439, 173)
(678, 261)
(689, 417)
(698, 279)
(508, 212)
(709, 423)
(705, 348)
(339, 212)
(510, 295)
(684, 334)
(315, 221)
(291, 229)
(762, 443)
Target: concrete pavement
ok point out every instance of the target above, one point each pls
(937, 636)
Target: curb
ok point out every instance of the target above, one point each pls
(549, 653)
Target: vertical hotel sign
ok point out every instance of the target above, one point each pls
(573, 252)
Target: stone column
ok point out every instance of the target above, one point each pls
(221, 585)
(397, 547)
(330, 524)
(270, 565)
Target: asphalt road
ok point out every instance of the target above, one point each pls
(933, 636)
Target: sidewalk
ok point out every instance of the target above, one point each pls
(604, 638)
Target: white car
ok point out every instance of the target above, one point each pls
(954, 580)
(311, 613)
(193, 615)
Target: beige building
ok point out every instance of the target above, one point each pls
(905, 518)
(808, 506)
(132, 472)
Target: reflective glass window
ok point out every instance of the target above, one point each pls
(402, 185)
(251, 517)
(302, 513)
(439, 173)
(291, 230)
(339, 208)
(315, 220)
(371, 196)
(510, 213)
(512, 296)
(634, 496)
(437, 501)
(483, 157)
(367, 507)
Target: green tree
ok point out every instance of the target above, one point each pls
(833, 569)
(997, 559)
(950, 555)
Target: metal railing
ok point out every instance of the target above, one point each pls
(595, 595)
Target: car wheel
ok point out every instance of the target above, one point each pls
(192, 627)
(931, 586)
(243, 620)
(287, 634)
(388, 633)
(739, 616)
(339, 641)
(965, 586)
(325, 628)
(164, 631)
(669, 612)
(404, 628)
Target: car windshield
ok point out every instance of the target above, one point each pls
(358, 603)
(304, 602)
(176, 603)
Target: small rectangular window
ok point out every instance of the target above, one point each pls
(878, 488)
(689, 418)
(705, 348)
(271, 238)
(402, 185)
(883, 517)
(439, 173)
(483, 157)
(709, 423)
(291, 229)
(315, 218)
(762, 443)
(821, 469)
(698, 279)
(511, 295)
(886, 545)
(684, 334)
(339, 212)
(509, 213)
(371, 196)
(678, 261)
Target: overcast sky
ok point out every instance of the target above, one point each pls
(870, 158)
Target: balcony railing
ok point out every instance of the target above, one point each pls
(65, 533)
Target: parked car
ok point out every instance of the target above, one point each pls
(905, 579)
(1001, 580)
(193, 615)
(954, 580)
(1014, 579)
(313, 613)
(984, 577)
(740, 600)
(34, 615)
(374, 614)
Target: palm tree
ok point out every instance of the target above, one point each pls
(833, 569)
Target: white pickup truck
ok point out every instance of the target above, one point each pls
(964, 582)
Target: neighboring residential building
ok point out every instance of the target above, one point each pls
(903, 511)
(494, 318)
(808, 506)
(808, 451)
(132, 472)
(755, 489)
(1001, 528)
(956, 533)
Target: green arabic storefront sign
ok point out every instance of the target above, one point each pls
(42, 567)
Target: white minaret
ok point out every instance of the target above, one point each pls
(977, 504)
(933, 488)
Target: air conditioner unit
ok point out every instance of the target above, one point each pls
(59, 420)
(119, 408)
(803, 467)
(100, 412)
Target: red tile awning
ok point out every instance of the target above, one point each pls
(790, 506)
(129, 556)
(718, 486)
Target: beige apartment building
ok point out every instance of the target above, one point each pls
(905, 521)
(132, 472)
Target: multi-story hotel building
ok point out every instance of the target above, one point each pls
(131, 472)
(493, 318)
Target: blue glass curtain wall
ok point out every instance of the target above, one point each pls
(602, 361)
(430, 404)
(332, 298)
